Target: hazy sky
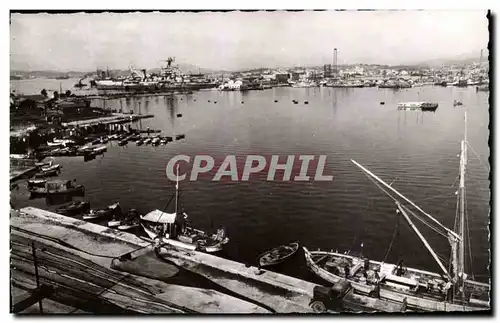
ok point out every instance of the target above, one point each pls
(236, 40)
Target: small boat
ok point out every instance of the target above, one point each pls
(51, 167)
(36, 183)
(147, 141)
(179, 137)
(132, 221)
(42, 164)
(429, 106)
(104, 140)
(457, 103)
(139, 142)
(48, 173)
(275, 101)
(306, 102)
(278, 255)
(382, 102)
(179, 115)
(58, 187)
(102, 213)
(122, 142)
(74, 208)
(173, 229)
(155, 141)
(169, 138)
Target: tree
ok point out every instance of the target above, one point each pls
(44, 92)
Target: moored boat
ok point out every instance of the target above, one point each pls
(58, 187)
(100, 213)
(278, 255)
(449, 290)
(74, 208)
(173, 229)
(47, 173)
(36, 183)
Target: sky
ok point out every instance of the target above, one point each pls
(240, 40)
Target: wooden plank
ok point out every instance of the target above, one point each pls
(87, 279)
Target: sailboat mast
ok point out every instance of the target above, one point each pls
(176, 188)
(463, 164)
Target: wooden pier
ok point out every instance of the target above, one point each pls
(75, 257)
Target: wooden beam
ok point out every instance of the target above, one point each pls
(32, 297)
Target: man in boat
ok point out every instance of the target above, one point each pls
(400, 269)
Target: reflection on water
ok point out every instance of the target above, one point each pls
(416, 151)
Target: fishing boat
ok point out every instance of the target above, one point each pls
(147, 141)
(155, 141)
(278, 255)
(132, 221)
(122, 142)
(139, 142)
(173, 229)
(74, 208)
(100, 213)
(449, 290)
(58, 187)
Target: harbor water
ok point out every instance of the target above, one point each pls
(415, 151)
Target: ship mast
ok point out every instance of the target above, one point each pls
(176, 188)
(461, 226)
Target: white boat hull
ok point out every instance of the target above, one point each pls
(183, 245)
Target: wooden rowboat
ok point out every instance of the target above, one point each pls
(278, 255)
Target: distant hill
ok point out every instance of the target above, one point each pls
(186, 68)
(468, 58)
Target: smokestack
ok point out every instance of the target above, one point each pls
(144, 72)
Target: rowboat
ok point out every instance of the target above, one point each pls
(100, 213)
(173, 229)
(131, 221)
(74, 208)
(147, 141)
(47, 173)
(58, 187)
(449, 290)
(36, 183)
(51, 167)
(278, 255)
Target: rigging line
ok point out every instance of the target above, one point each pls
(480, 160)
(421, 219)
(396, 230)
(396, 200)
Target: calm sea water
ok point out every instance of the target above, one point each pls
(417, 152)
